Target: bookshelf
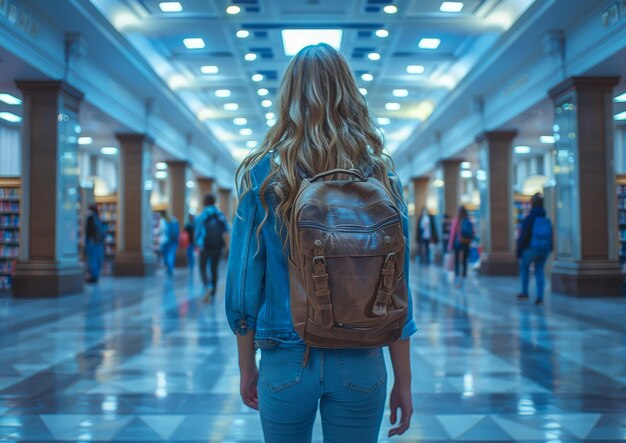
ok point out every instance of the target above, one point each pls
(107, 208)
(621, 215)
(10, 195)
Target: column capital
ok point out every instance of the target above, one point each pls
(420, 178)
(584, 84)
(47, 87)
(134, 137)
(182, 163)
(501, 135)
(224, 190)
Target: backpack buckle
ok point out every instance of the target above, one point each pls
(319, 260)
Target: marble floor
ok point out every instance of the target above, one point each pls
(144, 360)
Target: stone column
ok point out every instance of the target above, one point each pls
(205, 186)
(420, 192)
(134, 255)
(223, 202)
(48, 264)
(178, 204)
(496, 203)
(450, 196)
(586, 226)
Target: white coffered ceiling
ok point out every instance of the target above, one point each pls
(159, 36)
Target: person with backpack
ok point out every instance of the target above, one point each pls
(319, 264)
(169, 234)
(534, 245)
(210, 228)
(95, 234)
(461, 236)
(188, 243)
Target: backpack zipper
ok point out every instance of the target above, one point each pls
(358, 328)
(350, 228)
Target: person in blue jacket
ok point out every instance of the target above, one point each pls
(323, 123)
(534, 245)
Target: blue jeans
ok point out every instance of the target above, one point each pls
(191, 257)
(94, 253)
(539, 259)
(169, 255)
(348, 384)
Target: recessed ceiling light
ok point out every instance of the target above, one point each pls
(10, 99)
(521, 149)
(269, 115)
(438, 183)
(209, 69)
(242, 33)
(271, 122)
(262, 92)
(190, 184)
(429, 43)
(251, 144)
(363, 91)
(85, 140)
(621, 116)
(10, 117)
(466, 173)
(375, 56)
(170, 6)
(266, 103)
(620, 98)
(549, 139)
(392, 106)
(161, 175)
(400, 92)
(240, 121)
(382, 33)
(232, 10)
(231, 106)
(250, 56)
(108, 150)
(222, 93)
(390, 9)
(245, 131)
(257, 77)
(193, 43)
(415, 69)
(466, 165)
(481, 175)
(367, 77)
(161, 166)
(383, 121)
(296, 39)
(451, 7)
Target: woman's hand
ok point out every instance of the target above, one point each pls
(248, 387)
(400, 398)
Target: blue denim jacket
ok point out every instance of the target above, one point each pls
(257, 283)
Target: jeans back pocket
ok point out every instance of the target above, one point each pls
(362, 369)
(281, 366)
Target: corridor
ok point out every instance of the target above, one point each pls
(143, 359)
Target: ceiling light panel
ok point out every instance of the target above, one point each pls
(170, 6)
(250, 57)
(374, 56)
(367, 77)
(193, 43)
(243, 33)
(257, 77)
(400, 92)
(266, 103)
(393, 106)
(429, 43)
(245, 131)
(390, 9)
(240, 121)
(451, 7)
(10, 99)
(382, 33)
(232, 10)
(231, 106)
(415, 69)
(209, 69)
(222, 93)
(296, 39)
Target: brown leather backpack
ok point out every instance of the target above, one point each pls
(346, 263)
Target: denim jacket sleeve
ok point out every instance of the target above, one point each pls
(245, 280)
(409, 327)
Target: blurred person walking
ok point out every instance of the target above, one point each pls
(169, 234)
(461, 236)
(95, 234)
(190, 244)
(425, 235)
(534, 245)
(210, 228)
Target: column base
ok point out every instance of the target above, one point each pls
(134, 265)
(588, 278)
(35, 278)
(499, 263)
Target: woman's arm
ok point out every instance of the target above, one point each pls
(400, 398)
(247, 369)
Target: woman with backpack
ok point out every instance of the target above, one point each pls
(95, 234)
(534, 245)
(461, 235)
(318, 266)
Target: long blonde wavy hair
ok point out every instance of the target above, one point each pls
(322, 123)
